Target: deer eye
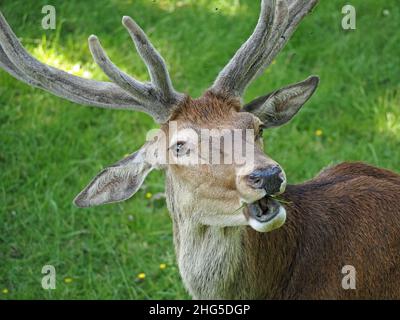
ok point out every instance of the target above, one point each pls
(180, 149)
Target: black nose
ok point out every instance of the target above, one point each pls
(270, 179)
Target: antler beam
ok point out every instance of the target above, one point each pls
(277, 22)
(156, 99)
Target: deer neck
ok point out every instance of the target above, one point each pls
(230, 262)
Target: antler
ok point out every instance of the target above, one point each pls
(156, 98)
(277, 22)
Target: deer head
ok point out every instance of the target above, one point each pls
(209, 192)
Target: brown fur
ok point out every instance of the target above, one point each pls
(207, 108)
(348, 215)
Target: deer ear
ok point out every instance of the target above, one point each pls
(279, 107)
(117, 182)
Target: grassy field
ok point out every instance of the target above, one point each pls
(50, 148)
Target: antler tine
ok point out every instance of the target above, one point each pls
(233, 78)
(155, 63)
(298, 9)
(159, 94)
(19, 63)
(125, 81)
(276, 24)
(279, 23)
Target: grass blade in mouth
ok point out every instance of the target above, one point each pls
(280, 200)
(241, 207)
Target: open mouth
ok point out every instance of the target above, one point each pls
(264, 210)
(265, 214)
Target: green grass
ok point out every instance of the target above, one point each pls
(50, 148)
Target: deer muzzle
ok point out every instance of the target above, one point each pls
(265, 215)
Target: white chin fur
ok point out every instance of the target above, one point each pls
(268, 226)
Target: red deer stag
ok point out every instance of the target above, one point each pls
(223, 213)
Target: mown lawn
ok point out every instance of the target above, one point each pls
(50, 148)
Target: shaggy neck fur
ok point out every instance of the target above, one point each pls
(226, 263)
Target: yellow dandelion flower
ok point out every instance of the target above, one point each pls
(319, 133)
(5, 291)
(68, 280)
(148, 195)
(163, 266)
(141, 276)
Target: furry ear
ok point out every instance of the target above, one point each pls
(117, 182)
(279, 107)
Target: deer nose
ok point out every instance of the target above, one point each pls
(270, 179)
